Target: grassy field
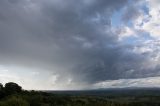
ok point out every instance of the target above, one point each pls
(34, 98)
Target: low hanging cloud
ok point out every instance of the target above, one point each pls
(72, 41)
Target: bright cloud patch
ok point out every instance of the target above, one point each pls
(150, 22)
(121, 83)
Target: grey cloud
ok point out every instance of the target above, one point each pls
(132, 11)
(72, 39)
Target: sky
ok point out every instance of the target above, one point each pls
(80, 44)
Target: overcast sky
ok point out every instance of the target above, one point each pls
(80, 44)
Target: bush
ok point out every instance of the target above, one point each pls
(14, 101)
(1, 86)
(11, 88)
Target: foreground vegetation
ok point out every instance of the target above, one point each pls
(13, 95)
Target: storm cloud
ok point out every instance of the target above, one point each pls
(73, 41)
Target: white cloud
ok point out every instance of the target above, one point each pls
(5, 77)
(150, 22)
(126, 32)
(150, 49)
(123, 32)
(142, 82)
(142, 49)
(154, 3)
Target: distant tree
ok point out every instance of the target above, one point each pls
(1, 86)
(2, 94)
(11, 88)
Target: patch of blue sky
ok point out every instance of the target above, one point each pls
(135, 39)
(129, 24)
(130, 40)
(146, 36)
(117, 21)
(116, 18)
(145, 8)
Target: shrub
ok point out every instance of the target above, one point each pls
(11, 88)
(14, 101)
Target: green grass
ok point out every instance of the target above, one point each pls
(26, 98)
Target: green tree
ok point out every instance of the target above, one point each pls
(2, 94)
(11, 88)
(1, 86)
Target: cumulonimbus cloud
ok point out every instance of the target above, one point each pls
(73, 39)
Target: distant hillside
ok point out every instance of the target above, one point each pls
(112, 92)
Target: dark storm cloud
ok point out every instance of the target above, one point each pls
(72, 39)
